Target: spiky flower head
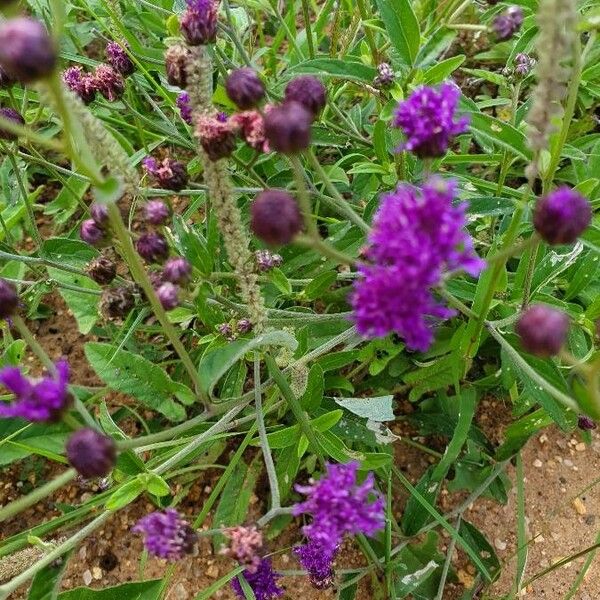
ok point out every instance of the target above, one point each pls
(91, 453)
(81, 83)
(10, 114)
(523, 64)
(166, 534)
(199, 22)
(217, 137)
(317, 560)
(543, 330)
(42, 399)
(185, 107)
(418, 236)
(428, 120)
(152, 247)
(250, 125)
(118, 59)
(263, 582)
(385, 75)
(27, 52)
(169, 174)
(307, 91)
(109, 82)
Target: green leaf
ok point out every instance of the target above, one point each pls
(225, 514)
(441, 71)
(277, 277)
(46, 583)
(472, 536)
(319, 285)
(141, 590)
(193, 245)
(126, 494)
(378, 408)
(496, 132)
(402, 26)
(315, 387)
(155, 484)
(134, 375)
(343, 69)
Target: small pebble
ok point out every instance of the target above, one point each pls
(500, 545)
(579, 506)
(537, 463)
(580, 447)
(97, 573)
(87, 577)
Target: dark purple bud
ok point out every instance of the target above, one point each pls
(169, 174)
(508, 23)
(27, 52)
(562, 216)
(118, 59)
(585, 423)
(116, 303)
(177, 270)
(244, 326)
(523, 64)
(9, 300)
(91, 233)
(176, 60)
(199, 22)
(10, 115)
(91, 453)
(152, 247)
(226, 331)
(156, 211)
(99, 213)
(307, 91)
(217, 138)
(287, 127)
(543, 330)
(108, 82)
(385, 75)
(102, 270)
(81, 83)
(168, 294)
(275, 217)
(185, 107)
(245, 88)
(5, 79)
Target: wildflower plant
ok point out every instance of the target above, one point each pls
(263, 231)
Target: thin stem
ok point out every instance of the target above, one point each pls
(33, 344)
(14, 508)
(308, 27)
(364, 15)
(273, 513)
(262, 434)
(141, 277)
(530, 271)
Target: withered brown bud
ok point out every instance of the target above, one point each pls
(102, 270)
(116, 303)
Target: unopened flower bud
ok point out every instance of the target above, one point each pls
(27, 52)
(102, 270)
(275, 217)
(118, 59)
(176, 59)
(385, 75)
(244, 326)
(307, 91)
(156, 212)
(226, 331)
(185, 107)
(585, 423)
(523, 64)
(152, 247)
(117, 303)
(10, 115)
(267, 260)
(245, 88)
(287, 127)
(177, 270)
(91, 233)
(217, 137)
(9, 300)
(168, 295)
(99, 212)
(91, 453)
(562, 216)
(508, 23)
(109, 82)
(199, 22)
(543, 330)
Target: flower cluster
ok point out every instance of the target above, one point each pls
(385, 76)
(267, 260)
(508, 23)
(339, 506)
(166, 534)
(184, 106)
(417, 237)
(263, 582)
(42, 399)
(169, 174)
(428, 120)
(199, 22)
(230, 332)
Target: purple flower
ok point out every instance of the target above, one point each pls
(267, 260)
(508, 23)
(91, 233)
(91, 453)
(287, 127)
(109, 82)
(9, 299)
(10, 114)
(245, 545)
(177, 270)
(99, 213)
(156, 212)
(152, 247)
(307, 91)
(169, 174)
(318, 561)
(250, 125)
(176, 59)
(245, 88)
(428, 120)
(226, 331)
(263, 582)
(244, 326)
(36, 400)
(523, 64)
(275, 217)
(168, 294)
(119, 59)
(543, 330)
(562, 216)
(385, 75)
(81, 83)
(185, 108)
(199, 22)
(217, 137)
(585, 423)
(417, 236)
(166, 534)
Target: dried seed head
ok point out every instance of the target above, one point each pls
(102, 270)
(116, 303)
(177, 58)
(109, 82)
(217, 137)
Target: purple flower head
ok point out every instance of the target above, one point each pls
(226, 331)
(36, 399)
(338, 506)
(267, 260)
(307, 91)
(251, 126)
(27, 52)
(109, 82)
(152, 247)
(184, 106)
(275, 217)
(81, 83)
(177, 58)
(169, 174)
(318, 561)
(543, 330)
(118, 59)
(10, 114)
(217, 137)
(523, 64)
(244, 326)
(245, 545)
(222, 116)
(562, 216)
(508, 23)
(263, 582)
(428, 120)
(199, 22)
(166, 534)
(9, 299)
(156, 212)
(91, 233)
(91, 453)
(168, 294)
(99, 212)
(287, 127)
(177, 270)
(245, 88)
(418, 235)
(385, 75)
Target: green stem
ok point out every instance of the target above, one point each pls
(33, 344)
(530, 271)
(364, 15)
(141, 277)
(299, 413)
(308, 27)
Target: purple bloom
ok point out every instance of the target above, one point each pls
(9, 300)
(167, 535)
(267, 260)
(245, 545)
(81, 83)
(226, 331)
(36, 400)
(156, 212)
(244, 326)
(199, 22)
(99, 213)
(109, 82)
(152, 247)
(543, 330)
(168, 294)
(318, 561)
(119, 59)
(585, 423)
(217, 137)
(169, 174)
(177, 270)
(263, 582)
(91, 233)
(427, 119)
(91, 453)
(385, 75)
(508, 23)
(10, 114)
(417, 236)
(185, 108)
(245, 88)
(307, 91)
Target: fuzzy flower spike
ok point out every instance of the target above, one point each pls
(418, 236)
(428, 120)
(40, 400)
